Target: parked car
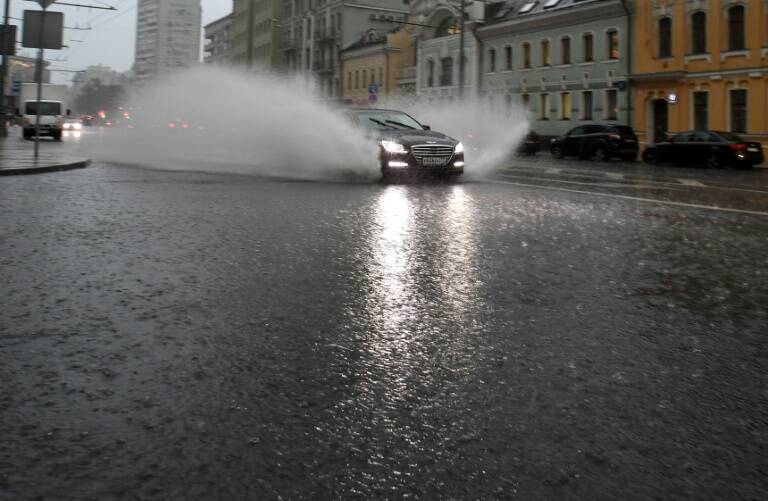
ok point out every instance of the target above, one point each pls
(530, 145)
(598, 141)
(408, 147)
(706, 148)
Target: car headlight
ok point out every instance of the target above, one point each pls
(392, 147)
(459, 148)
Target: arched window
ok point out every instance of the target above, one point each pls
(665, 37)
(491, 60)
(588, 46)
(736, 28)
(430, 73)
(508, 56)
(446, 27)
(446, 75)
(612, 44)
(526, 55)
(699, 33)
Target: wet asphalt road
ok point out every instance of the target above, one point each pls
(547, 334)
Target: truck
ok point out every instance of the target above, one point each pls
(53, 109)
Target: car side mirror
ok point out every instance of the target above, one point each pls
(427, 127)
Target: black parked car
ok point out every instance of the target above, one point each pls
(713, 149)
(530, 145)
(406, 146)
(598, 141)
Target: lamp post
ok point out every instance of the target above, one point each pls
(461, 49)
(4, 77)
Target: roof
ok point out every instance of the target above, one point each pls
(517, 9)
(368, 39)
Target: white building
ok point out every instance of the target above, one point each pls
(168, 34)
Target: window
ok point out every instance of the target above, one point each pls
(736, 28)
(525, 100)
(381, 77)
(588, 44)
(665, 37)
(701, 110)
(699, 33)
(565, 50)
(446, 76)
(357, 79)
(586, 105)
(545, 53)
(508, 107)
(526, 55)
(508, 57)
(544, 105)
(491, 60)
(527, 7)
(738, 110)
(349, 80)
(365, 78)
(565, 106)
(430, 73)
(612, 44)
(612, 104)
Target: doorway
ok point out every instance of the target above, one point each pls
(660, 119)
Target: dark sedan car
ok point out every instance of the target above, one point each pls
(530, 145)
(706, 148)
(598, 141)
(406, 146)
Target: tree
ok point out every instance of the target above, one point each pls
(96, 96)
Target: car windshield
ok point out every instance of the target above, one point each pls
(386, 120)
(46, 108)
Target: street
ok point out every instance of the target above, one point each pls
(559, 330)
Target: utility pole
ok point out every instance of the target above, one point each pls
(4, 77)
(461, 50)
(40, 66)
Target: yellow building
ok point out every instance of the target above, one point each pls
(701, 64)
(370, 66)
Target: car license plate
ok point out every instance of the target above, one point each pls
(434, 161)
(753, 149)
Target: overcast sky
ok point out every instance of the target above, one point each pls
(111, 40)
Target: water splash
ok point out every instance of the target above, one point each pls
(224, 120)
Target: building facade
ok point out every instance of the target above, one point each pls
(370, 68)
(701, 64)
(21, 70)
(218, 41)
(104, 74)
(167, 38)
(438, 48)
(256, 33)
(316, 31)
(566, 62)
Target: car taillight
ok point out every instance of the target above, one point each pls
(739, 147)
(615, 137)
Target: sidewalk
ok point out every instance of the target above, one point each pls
(17, 156)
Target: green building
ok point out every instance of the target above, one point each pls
(256, 33)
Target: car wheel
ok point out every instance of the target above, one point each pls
(557, 152)
(599, 154)
(713, 162)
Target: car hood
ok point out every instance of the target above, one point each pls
(413, 137)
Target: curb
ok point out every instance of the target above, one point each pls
(25, 171)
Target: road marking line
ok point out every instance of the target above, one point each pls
(554, 171)
(691, 182)
(614, 175)
(650, 184)
(637, 199)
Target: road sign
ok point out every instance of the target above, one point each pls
(373, 89)
(46, 3)
(16, 88)
(50, 23)
(7, 40)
